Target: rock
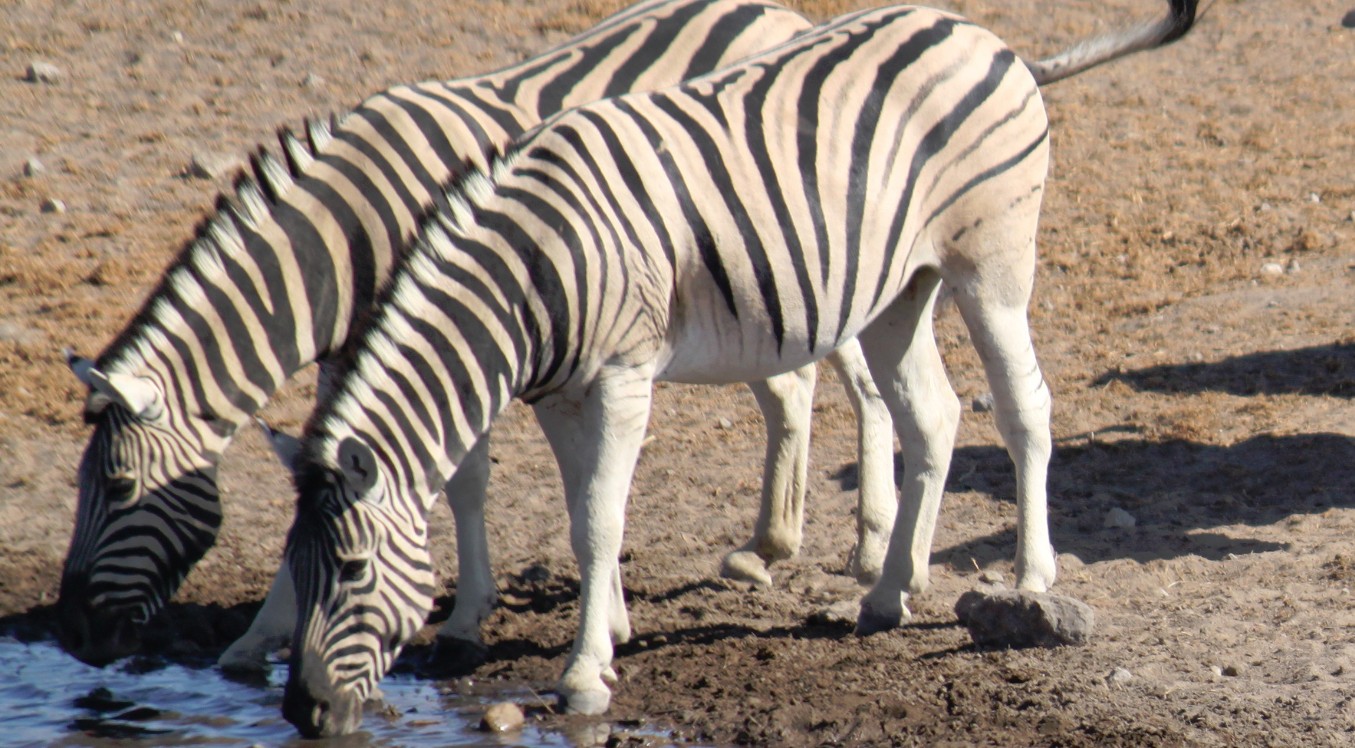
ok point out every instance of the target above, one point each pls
(1272, 270)
(502, 717)
(1119, 519)
(841, 613)
(1119, 677)
(1349, 19)
(212, 166)
(43, 72)
(33, 167)
(992, 577)
(1292, 267)
(725, 424)
(312, 81)
(1232, 670)
(983, 403)
(1017, 618)
(52, 205)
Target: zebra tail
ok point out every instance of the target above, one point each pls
(1101, 49)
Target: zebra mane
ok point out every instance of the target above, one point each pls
(449, 214)
(254, 195)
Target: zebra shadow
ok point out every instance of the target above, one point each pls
(1176, 490)
(1318, 370)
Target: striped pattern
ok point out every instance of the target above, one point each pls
(275, 278)
(735, 227)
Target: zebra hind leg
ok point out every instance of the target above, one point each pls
(900, 348)
(787, 402)
(1022, 403)
(877, 501)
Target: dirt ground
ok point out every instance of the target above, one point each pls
(1193, 314)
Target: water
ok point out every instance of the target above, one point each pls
(47, 698)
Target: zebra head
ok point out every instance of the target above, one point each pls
(364, 585)
(147, 511)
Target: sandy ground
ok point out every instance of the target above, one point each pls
(1193, 313)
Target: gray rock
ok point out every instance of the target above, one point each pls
(43, 72)
(1119, 519)
(1349, 19)
(1016, 618)
(983, 403)
(52, 205)
(1119, 677)
(502, 717)
(312, 81)
(841, 613)
(992, 577)
(33, 167)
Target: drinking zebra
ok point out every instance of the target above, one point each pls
(274, 280)
(731, 228)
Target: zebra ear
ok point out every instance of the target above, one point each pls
(80, 366)
(139, 395)
(285, 446)
(358, 463)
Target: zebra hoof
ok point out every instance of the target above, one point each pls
(587, 703)
(746, 566)
(872, 621)
(243, 663)
(452, 657)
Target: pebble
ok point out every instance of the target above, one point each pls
(1119, 519)
(1349, 19)
(312, 81)
(177, 37)
(502, 717)
(212, 166)
(1292, 266)
(1119, 677)
(53, 205)
(1272, 270)
(1232, 671)
(43, 72)
(991, 577)
(33, 167)
(726, 424)
(983, 403)
(1018, 618)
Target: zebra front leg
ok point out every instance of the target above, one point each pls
(877, 500)
(787, 403)
(596, 436)
(270, 630)
(900, 348)
(459, 642)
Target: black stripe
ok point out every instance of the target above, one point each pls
(933, 142)
(653, 50)
(724, 185)
(589, 62)
(722, 34)
(862, 140)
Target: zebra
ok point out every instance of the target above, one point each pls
(235, 316)
(733, 227)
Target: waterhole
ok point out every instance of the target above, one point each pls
(47, 698)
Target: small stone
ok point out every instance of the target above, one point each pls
(1313, 197)
(1018, 618)
(43, 72)
(1119, 519)
(983, 403)
(1292, 267)
(33, 167)
(212, 166)
(1119, 677)
(841, 613)
(1272, 270)
(53, 205)
(1348, 20)
(312, 81)
(502, 717)
(1232, 670)
(991, 577)
(176, 37)
(725, 424)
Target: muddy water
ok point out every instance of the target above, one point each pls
(49, 699)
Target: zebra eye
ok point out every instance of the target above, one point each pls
(120, 489)
(352, 570)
